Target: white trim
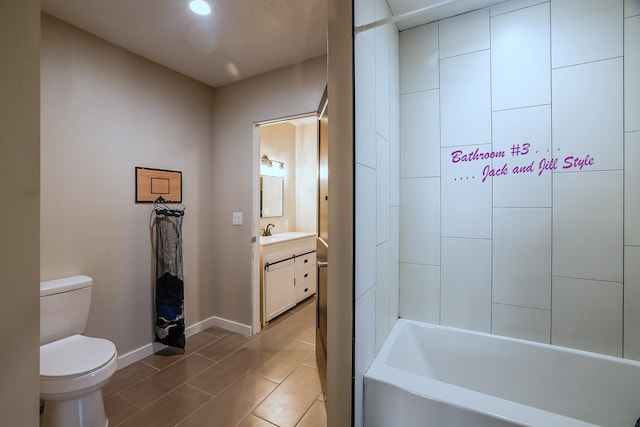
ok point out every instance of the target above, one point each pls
(148, 349)
(402, 16)
(139, 354)
(255, 223)
(230, 325)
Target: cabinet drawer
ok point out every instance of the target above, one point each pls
(305, 261)
(305, 287)
(305, 276)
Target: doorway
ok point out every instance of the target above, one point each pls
(285, 153)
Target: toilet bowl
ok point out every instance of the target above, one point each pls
(73, 367)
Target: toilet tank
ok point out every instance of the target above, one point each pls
(64, 307)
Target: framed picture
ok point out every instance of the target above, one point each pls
(154, 183)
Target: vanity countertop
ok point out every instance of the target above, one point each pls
(284, 237)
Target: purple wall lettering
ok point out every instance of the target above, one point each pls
(519, 150)
(488, 171)
(547, 165)
(457, 156)
(577, 162)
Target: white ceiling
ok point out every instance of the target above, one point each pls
(240, 39)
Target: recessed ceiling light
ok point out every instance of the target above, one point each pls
(201, 7)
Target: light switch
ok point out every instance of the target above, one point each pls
(237, 218)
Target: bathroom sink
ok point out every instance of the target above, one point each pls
(281, 237)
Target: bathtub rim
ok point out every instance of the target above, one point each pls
(453, 395)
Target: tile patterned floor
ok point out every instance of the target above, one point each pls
(226, 379)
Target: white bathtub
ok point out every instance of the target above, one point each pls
(435, 376)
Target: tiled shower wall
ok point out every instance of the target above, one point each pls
(377, 187)
(520, 173)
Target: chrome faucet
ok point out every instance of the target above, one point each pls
(267, 230)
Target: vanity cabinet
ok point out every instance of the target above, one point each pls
(288, 274)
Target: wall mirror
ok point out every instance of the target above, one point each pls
(271, 189)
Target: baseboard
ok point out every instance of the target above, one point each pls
(148, 349)
(139, 354)
(230, 325)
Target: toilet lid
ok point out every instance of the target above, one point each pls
(74, 355)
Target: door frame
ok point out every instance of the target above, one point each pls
(256, 321)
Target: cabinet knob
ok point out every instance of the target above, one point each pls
(306, 261)
(306, 275)
(306, 289)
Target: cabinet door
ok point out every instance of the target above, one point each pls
(278, 289)
(305, 276)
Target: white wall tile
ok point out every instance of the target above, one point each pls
(419, 60)
(522, 257)
(382, 9)
(587, 213)
(382, 81)
(394, 265)
(510, 6)
(587, 314)
(420, 220)
(587, 225)
(365, 344)
(631, 8)
(394, 163)
(632, 189)
(383, 181)
(585, 30)
(364, 12)
(465, 200)
(420, 292)
(365, 229)
(525, 323)
(420, 134)
(382, 294)
(465, 100)
(394, 71)
(587, 113)
(632, 302)
(631, 73)
(466, 283)
(519, 127)
(464, 33)
(365, 103)
(520, 58)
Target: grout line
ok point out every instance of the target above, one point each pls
(200, 390)
(196, 409)
(308, 409)
(136, 383)
(151, 366)
(251, 413)
(128, 401)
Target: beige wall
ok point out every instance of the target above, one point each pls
(278, 142)
(281, 93)
(19, 227)
(296, 146)
(104, 112)
(307, 177)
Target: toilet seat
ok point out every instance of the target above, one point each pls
(74, 355)
(76, 363)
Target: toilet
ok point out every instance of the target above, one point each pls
(73, 367)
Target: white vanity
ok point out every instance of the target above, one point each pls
(287, 271)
